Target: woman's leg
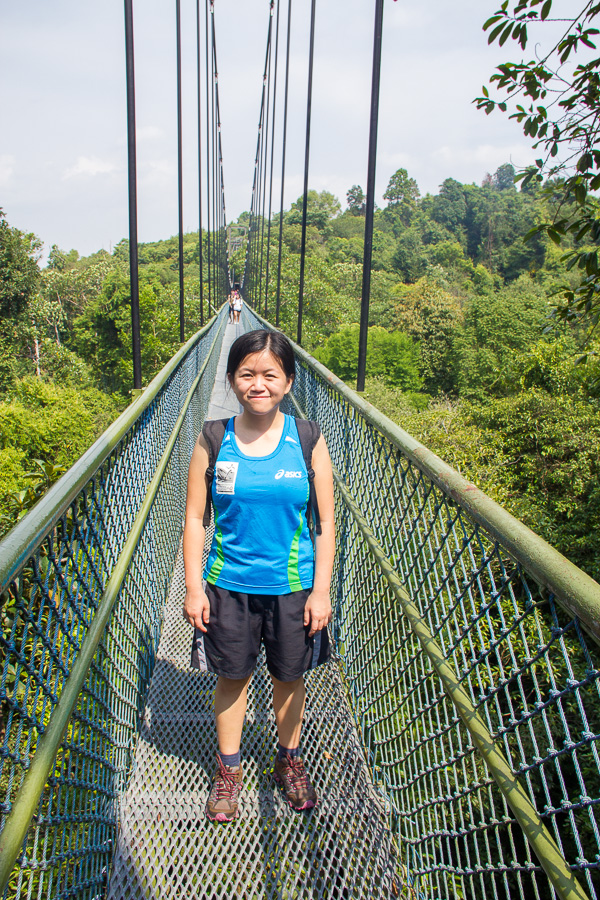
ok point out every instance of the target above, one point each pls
(289, 771)
(230, 708)
(288, 702)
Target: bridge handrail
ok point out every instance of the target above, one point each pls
(573, 588)
(17, 823)
(65, 570)
(27, 535)
(550, 857)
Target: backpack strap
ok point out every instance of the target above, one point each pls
(213, 432)
(309, 433)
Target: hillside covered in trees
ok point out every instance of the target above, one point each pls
(463, 350)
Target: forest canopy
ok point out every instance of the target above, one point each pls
(460, 352)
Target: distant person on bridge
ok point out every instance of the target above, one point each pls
(263, 581)
(231, 313)
(237, 306)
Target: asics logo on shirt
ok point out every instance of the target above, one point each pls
(281, 473)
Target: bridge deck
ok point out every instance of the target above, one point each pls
(167, 848)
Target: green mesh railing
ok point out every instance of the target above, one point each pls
(475, 685)
(84, 579)
(463, 639)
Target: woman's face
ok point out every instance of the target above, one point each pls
(259, 382)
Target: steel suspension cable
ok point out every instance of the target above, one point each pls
(266, 150)
(258, 279)
(221, 249)
(285, 113)
(198, 73)
(255, 242)
(132, 184)
(214, 159)
(370, 203)
(180, 173)
(208, 154)
(272, 159)
(306, 159)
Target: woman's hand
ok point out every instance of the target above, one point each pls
(317, 611)
(196, 608)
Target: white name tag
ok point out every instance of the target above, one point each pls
(226, 473)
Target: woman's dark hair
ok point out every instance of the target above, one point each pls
(257, 341)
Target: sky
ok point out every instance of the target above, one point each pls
(63, 139)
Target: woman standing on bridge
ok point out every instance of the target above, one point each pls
(263, 582)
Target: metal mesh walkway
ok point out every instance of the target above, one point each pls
(454, 744)
(167, 849)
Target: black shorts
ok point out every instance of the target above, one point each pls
(239, 623)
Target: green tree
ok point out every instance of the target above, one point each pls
(355, 199)
(561, 113)
(19, 272)
(402, 188)
(102, 334)
(449, 208)
(320, 208)
(496, 329)
(59, 260)
(390, 354)
(44, 428)
(504, 177)
(410, 258)
(431, 316)
(535, 454)
(403, 194)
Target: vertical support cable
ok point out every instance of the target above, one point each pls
(265, 153)
(370, 204)
(256, 280)
(198, 67)
(132, 179)
(306, 157)
(180, 174)
(285, 112)
(265, 150)
(259, 220)
(215, 165)
(272, 160)
(208, 152)
(220, 187)
(265, 156)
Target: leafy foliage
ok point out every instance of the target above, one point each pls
(534, 453)
(355, 199)
(19, 273)
(44, 428)
(559, 109)
(392, 355)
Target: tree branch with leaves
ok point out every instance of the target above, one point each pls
(556, 100)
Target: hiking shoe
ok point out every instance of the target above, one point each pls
(222, 803)
(290, 773)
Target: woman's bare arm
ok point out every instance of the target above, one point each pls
(196, 608)
(317, 611)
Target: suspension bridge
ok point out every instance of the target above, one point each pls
(453, 738)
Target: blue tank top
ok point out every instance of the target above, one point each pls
(261, 542)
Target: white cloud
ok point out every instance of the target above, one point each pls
(481, 156)
(157, 172)
(149, 133)
(90, 166)
(7, 169)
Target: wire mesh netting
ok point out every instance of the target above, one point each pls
(383, 740)
(168, 849)
(46, 611)
(527, 665)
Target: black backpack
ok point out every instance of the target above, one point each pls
(309, 433)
